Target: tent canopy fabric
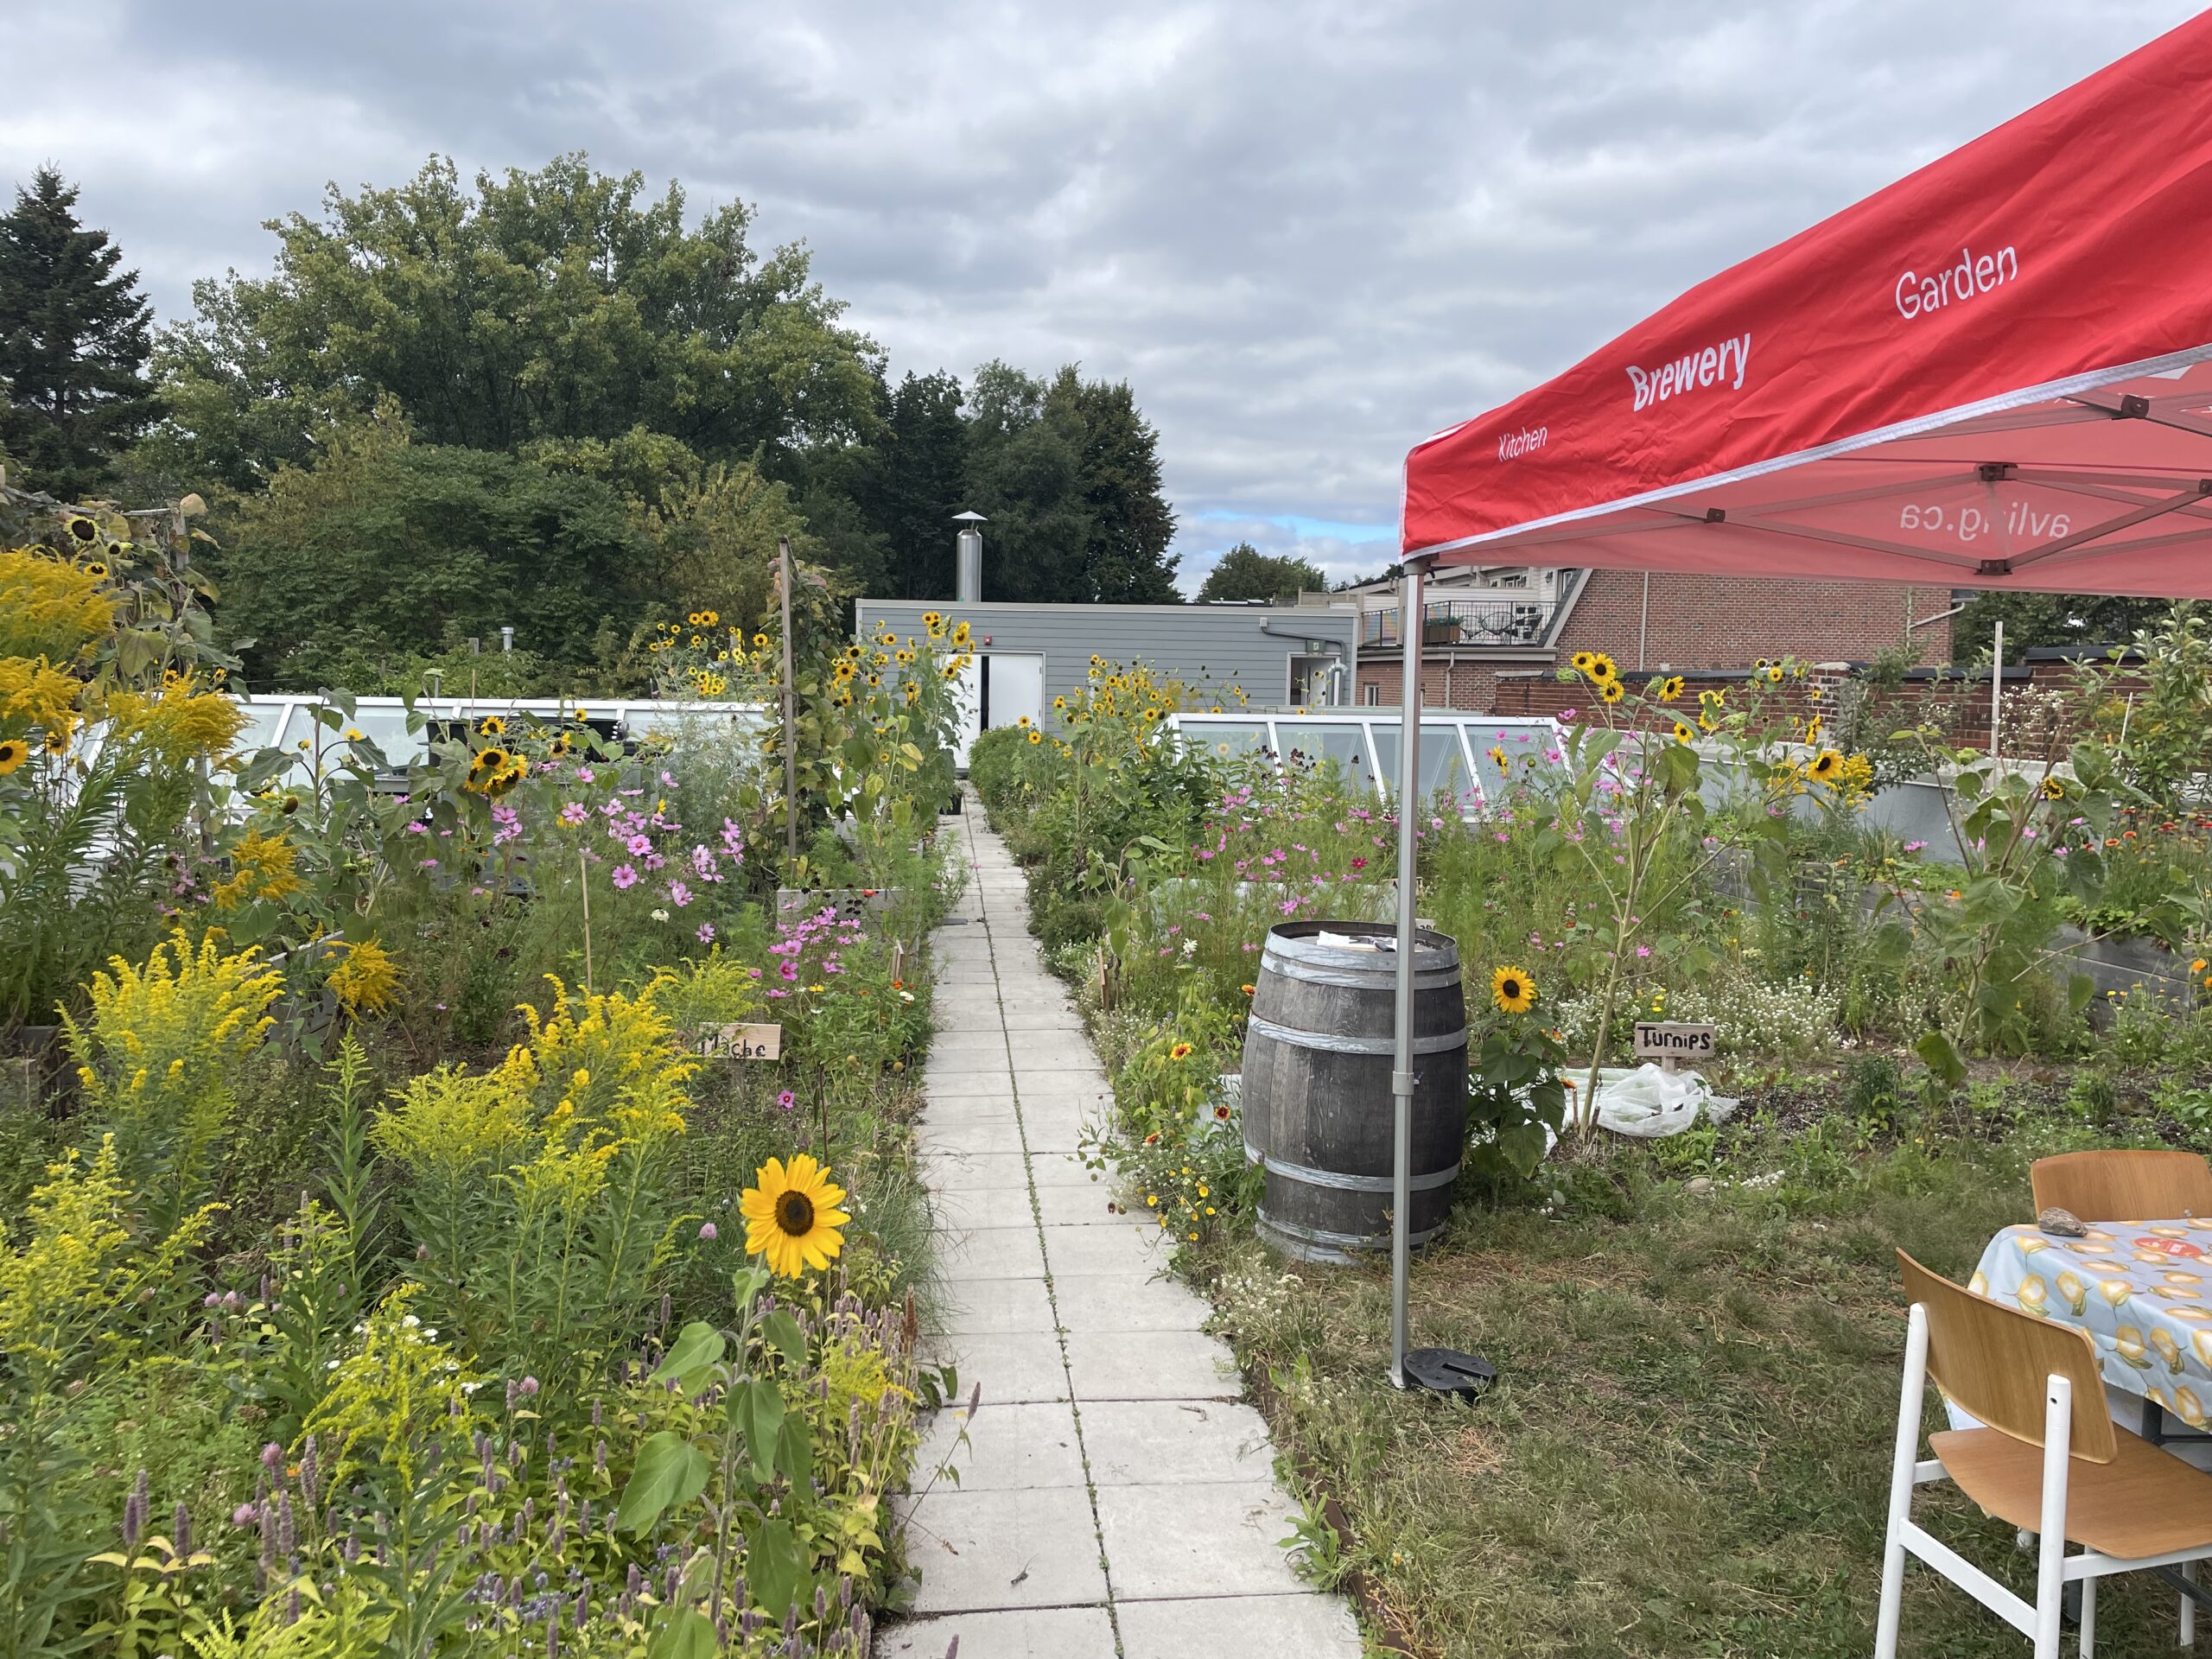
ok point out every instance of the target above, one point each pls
(1995, 373)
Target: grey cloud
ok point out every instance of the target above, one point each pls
(1309, 233)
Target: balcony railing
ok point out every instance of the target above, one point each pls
(1466, 622)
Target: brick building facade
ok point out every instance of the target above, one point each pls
(1662, 620)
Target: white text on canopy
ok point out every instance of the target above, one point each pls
(1694, 370)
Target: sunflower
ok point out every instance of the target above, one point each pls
(57, 740)
(932, 621)
(1603, 670)
(1670, 688)
(1774, 672)
(1682, 733)
(1497, 757)
(1813, 729)
(13, 752)
(82, 528)
(1824, 766)
(1759, 665)
(1581, 661)
(792, 1218)
(97, 569)
(560, 745)
(491, 726)
(2054, 789)
(1609, 691)
(1513, 991)
(1036, 736)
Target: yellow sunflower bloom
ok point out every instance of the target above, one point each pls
(1513, 991)
(1610, 691)
(1670, 688)
(1682, 733)
(791, 1217)
(1824, 766)
(13, 752)
(1581, 660)
(491, 726)
(1036, 736)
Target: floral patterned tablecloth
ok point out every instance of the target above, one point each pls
(2141, 1289)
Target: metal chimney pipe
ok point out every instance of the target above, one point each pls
(968, 559)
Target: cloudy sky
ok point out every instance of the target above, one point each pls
(1309, 231)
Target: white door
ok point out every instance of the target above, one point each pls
(998, 688)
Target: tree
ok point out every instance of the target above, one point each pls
(1244, 572)
(561, 304)
(387, 545)
(2048, 619)
(73, 343)
(1025, 474)
(1126, 560)
(924, 482)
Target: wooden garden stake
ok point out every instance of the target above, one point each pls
(790, 755)
(583, 875)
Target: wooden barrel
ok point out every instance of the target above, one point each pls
(1317, 1113)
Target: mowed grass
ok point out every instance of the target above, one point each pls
(1688, 1449)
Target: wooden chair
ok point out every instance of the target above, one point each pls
(2049, 1461)
(2124, 1185)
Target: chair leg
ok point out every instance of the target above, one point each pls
(2088, 1618)
(1910, 1395)
(2188, 1608)
(2050, 1564)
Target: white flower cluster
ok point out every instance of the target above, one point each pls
(1750, 1016)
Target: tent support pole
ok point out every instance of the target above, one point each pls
(1402, 1063)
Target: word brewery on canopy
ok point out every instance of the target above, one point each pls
(1986, 376)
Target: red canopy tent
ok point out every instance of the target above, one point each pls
(1995, 373)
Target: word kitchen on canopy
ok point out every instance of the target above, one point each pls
(1995, 373)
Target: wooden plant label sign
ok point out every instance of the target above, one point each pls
(1671, 1041)
(742, 1042)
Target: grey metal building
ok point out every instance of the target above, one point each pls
(1288, 655)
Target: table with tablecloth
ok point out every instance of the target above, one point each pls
(2141, 1289)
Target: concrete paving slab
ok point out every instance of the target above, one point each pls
(1007, 1447)
(1174, 1442)
(1216, 1539)
(1110, 1304)
(1165, 1366)
(978, 1551)
(996, 1308)
(997, 1132)
(1300, 1625)
(1104, 1249)
(1007, 1251)
(1080, 1206)
(1021, 1633)
(1015, 1368)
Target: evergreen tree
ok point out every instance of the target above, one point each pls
(923, 481)
(1244, 572)
(1126, 560)
(1025, 474)
(73, 343)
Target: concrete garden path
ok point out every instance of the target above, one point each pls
(1116, 1496)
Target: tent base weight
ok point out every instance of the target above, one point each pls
(1446, 1370)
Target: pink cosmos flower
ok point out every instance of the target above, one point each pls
(706, 932)
(678, 894)
(574, 812)
(625, 876)
(640, 845)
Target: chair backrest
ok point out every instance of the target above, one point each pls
(1993, 1362)
(2124, 1185)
